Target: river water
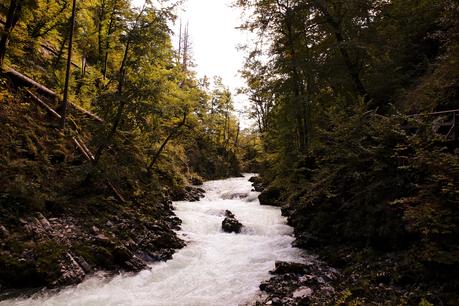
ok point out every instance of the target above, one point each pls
(215, 268)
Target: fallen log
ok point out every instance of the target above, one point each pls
(82, 150)
(38, 101)
(87, 113)
(25, 80)
(56, 53)
(116, 192)
(91, 156)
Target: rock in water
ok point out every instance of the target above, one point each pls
(257, 183)
(230, 224)
(237, 195)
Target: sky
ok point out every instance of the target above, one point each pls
(214, 42)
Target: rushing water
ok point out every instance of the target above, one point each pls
(215, 268)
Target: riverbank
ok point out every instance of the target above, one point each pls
(379, 206)
(64, 218)
(215, 267)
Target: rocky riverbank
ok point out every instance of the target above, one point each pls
(298, 284)
(366, 275)
(59, 249)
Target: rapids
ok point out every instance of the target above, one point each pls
(215, 268)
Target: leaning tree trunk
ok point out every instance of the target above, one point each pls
(164, 144)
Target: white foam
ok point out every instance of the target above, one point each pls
(215, 268)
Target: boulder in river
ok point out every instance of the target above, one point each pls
(257, 183)
(236, 195)
(230, 224)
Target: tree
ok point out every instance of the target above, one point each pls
(69, 66)
(14, 12)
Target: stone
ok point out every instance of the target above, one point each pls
(189, 193)
(305, 241)
(270, 196)
(71, 272)
(257, 183)
(282, 267)
(229, 214)
(230, 224)
(4, 233)
(103, 240)
(83, 264)
(197, 181)
(237, 195)
(44, 222)
(122, 254)
(302, 292)
(135, 264)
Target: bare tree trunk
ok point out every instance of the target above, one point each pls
(122, 105)
(107, 44)
(80, 81)
(236, 141)
(69, 65)
(101, 16)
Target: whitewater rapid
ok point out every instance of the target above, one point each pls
(215, 268)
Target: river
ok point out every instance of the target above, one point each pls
(215, 268)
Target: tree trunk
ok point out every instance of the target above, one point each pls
(297, 87)
(163, 145)
(69, 66)
(99, 32)
(121, 106)
(11, 19)
(351, 67)
(61, 50)
(107, 43)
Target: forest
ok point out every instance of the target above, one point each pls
(356, 105)
(104, 123)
